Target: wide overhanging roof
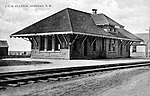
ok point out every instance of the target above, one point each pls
(67, 21)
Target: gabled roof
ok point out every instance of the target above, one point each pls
(65, 21)
(3, 43)
(102, 19)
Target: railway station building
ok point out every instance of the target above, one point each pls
(74, 34)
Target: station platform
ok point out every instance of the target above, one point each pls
(63, 63)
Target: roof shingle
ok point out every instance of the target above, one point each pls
(75, 21)
(65, 21)
(102, 19)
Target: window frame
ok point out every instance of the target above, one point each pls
(44, 48)
(42, 43)
(49, 43)
(112, 45)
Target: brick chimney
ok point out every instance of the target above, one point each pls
(94, 11)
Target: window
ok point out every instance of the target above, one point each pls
(57, 44)
(75, 46)
(103, 46)
(42, 43)
(121, 49)
(109, 45)
(127, 48)
(115, 30)
(94, 45)
(113, 44)
(105, 30)
(49, 46)
(49, 43)
(110, 29)
(32, 43)
(134, 49)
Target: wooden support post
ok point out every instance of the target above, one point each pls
(146, 49)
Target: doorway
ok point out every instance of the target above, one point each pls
(121, 48)
(85, 48)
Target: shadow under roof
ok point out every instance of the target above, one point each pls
(71, 21)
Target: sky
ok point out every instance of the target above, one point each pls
(18, 14)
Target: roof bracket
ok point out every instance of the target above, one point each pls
(74, 39)
(93, 41)
(84, 39)
(26, 39)
(35, 41)
(30, 39)
(122, 41)
(65, 39)
(128, 42)
(80, 36)
(59, 39)
(131, 43)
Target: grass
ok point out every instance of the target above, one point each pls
(17, 62)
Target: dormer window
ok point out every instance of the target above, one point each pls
(105, 30)
(110, 29)
(116, 30)
(117, 26)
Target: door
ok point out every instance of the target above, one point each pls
(85, 48)
(121, 48)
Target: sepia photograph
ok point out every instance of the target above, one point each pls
(74, 47)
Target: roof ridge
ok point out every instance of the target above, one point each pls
(78, 10)
(70, 23)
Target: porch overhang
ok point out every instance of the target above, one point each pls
(69, 32)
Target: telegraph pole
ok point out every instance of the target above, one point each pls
(148, 43)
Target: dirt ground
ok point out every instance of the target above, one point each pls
(123, 82)
(138, 86)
